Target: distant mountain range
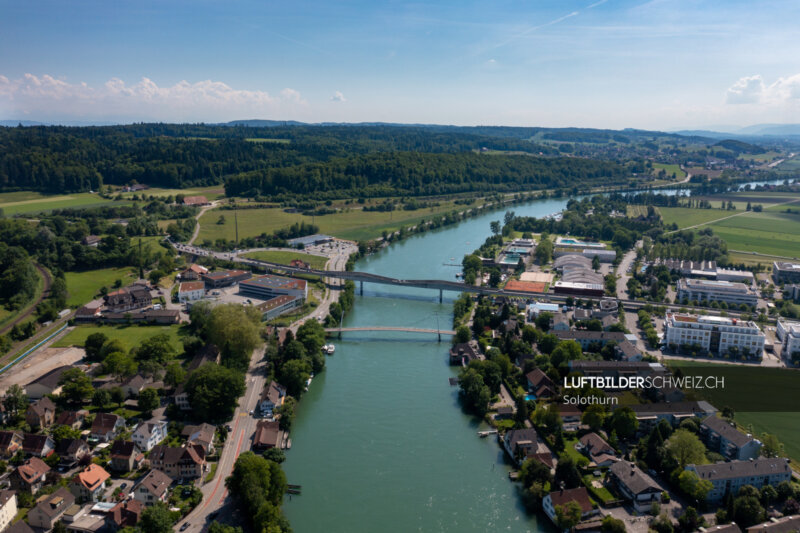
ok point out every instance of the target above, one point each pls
(757, 130)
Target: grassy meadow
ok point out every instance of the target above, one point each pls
(285, 257)
(22, 202)
(131, 336)
(84, 287)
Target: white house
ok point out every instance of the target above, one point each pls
(149, 433)
(189, 291)
(8, 507)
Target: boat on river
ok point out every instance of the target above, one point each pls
(329, 349)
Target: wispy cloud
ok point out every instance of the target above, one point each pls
(753, 90)
(203, 100)
(338, 97)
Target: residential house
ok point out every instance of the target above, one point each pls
(41, 413)
(50, 509)
(10, 443)
(195, 200)
(8, 508)
(731, 476)
(722, 437)
(125, 514)
(723, 528)
(153, 488)
(72, 450)
(89, 313)
(539, 384)
(193, 273)
(462, 353)
(272, 397)
(150, 433)
(559, 322)
(134, 385)
(570, 416)
(521, 443)
(73, 419)
(89, 485)
(588, 338)
(128, 299)
(20, 526)
(106, 426)
(30, 476)
(563, 497)
(504, 412)
(46, 384)
(202, 435)
(635, 485)
(189, 291)
(606, 307)
(627, 351)
(597, 450)
(181, 398)
(267, 435)
(786, 524)
(178, 463)
(37, 445)
(124, 456)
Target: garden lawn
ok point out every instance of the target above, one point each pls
(131, 336)
(285, 257)
(84, 287)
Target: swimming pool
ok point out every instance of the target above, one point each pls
(510, 259)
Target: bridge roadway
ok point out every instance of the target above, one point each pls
(435, 284)
(392, 328)
(443, 285)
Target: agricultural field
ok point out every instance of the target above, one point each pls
(686, 216)
(16, 203)
(767, 233)
(212, 193)
(285, 257)
(634, 211)
(753, 259)
(790, 165)
(355, 224)
(669, 169)
(83, 287)
(131, 336)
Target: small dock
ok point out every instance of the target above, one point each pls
(484, 434)
(293, 489)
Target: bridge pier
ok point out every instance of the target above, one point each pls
(362, 288)
(440, 300)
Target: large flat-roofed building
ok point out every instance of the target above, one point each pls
(224, 278)
(716, 334)
(716, 291)
(785, 272)
(579, 289)
(309, 240)
(268, 287)
(789, 334)
(731, 476)
(706, 269)
(278, 306)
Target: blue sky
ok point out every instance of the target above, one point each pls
(658, 64)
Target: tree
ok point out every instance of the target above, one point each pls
(463, 334)
(101, 398)
(494, 225)
(567, 472)
(235, 329)
(120, 364)
(686, 448)
(521, 413)
(149, 400)
(112, 346)
(259, 486)
(747, 511)
(568, 515)
(691, 484)
(93, 344)
(214, 391)
(15, 400)
(593, 416)
(76, 386)
(117, 395)
(156, 519)
(157, 348)
(544, 250)
(595, 263)
(474, 392)
(612, 525)
(623, 422)
(275, 455)
(772, 447)
(175, 375)
(62, 432)
(286, 413)
(294, 375)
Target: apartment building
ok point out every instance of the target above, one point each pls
(730, 477)
(723, 438)
(789, 334)
(713, 333)
(785, 272)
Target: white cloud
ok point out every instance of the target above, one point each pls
(47, 97)
(338, 97)
(753, 90)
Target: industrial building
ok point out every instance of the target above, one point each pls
(224, 278)
(713, 333)
(789, 334)
(785, 272)
(268, 287)
(716, 291)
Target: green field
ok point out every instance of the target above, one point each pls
(791, 165)
(638, 210)
(284, 258)
(15, 203)
(685, 216)
(263, 140)
(751, 259)
(355, 224)
(131, 336)
(212, 193)
(747, 386)
(83, 287)
(670, 169)
(766, 232)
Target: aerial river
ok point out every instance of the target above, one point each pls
(380, 442)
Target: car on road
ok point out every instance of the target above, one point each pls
(185, 526)
(122, 486)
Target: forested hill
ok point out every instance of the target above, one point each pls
(288, 159)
